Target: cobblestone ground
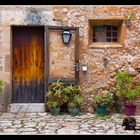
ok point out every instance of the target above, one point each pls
(46, 124)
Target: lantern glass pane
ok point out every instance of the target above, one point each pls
(66, 38)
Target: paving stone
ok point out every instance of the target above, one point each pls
(5, 124)
(47, 132)
(7, 115)
(85, 133)
(83, 126)
(70, 126)
(67, 131)
(10, 130)
(26, 129)
(17, 126)
(29, 124)
(5, 133)
(41, 124)
(29, 133)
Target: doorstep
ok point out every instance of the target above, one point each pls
(26, 107)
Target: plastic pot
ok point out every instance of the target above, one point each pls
(55, 111)
(101, 110)
(129, 109)
(74, 111)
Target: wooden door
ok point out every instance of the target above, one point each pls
(28, 64)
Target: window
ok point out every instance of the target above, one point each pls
(108, 32)
(105, 33)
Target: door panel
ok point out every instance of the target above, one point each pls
(28, 64)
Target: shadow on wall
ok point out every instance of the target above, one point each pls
(5, 97)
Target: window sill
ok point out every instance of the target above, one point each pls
(103, 45)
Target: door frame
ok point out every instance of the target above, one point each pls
(48, 80)
(77, 68)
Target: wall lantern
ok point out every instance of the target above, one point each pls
(128, 20)
(66, 36)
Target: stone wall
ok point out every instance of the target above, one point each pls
(97, 76)
(5, 61)
(61, 57)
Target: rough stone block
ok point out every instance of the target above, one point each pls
(27, 107)
(7, 63)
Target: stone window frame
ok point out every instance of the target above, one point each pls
(119, 22)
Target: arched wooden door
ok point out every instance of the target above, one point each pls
(28, 64)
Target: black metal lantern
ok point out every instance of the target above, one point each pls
(66, 36)
(128, 20)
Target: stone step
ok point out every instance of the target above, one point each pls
(26, 107)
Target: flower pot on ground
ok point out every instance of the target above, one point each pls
(53, 107)
(73, 98)
(100, 103)
(128, 92)
(129, 109)
(101, 110)
(129, 105)
(55, 97)
(55, 111)
(74, 111)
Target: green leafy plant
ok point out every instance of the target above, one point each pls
(76, 102)
(60, 94)
(55, 95)
(52, 104)
(72, 95)
(102, 99)
(127, 91)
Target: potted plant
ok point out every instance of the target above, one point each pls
(101, 102)
(73, 99)
(55, 97)
(127, 92)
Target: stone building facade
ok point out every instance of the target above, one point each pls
(123, 55)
